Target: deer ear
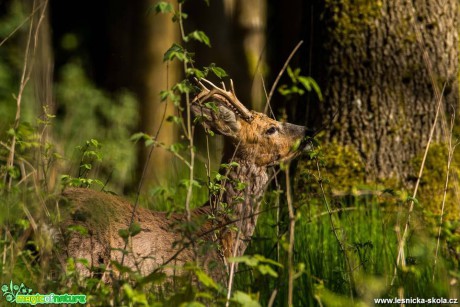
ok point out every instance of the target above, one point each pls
(219, 119)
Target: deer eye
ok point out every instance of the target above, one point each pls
(271, 130)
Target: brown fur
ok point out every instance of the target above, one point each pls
(255, 141)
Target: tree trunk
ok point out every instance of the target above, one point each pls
(236, 29)
(378, 83)
(155, 34)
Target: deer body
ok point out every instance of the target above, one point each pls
(254, 142)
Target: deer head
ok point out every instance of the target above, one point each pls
(257, 138)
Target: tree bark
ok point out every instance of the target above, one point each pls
(155, 34)
(378, 83)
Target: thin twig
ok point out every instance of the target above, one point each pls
(291, 238)
(22, 23)
(271, 301)
(272, 90)
(266, 97)
(232, 270)
(24, 79)
(190, 130)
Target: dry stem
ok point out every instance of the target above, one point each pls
(25, 77)
(446, 185)
(272, 90)
(291, 238)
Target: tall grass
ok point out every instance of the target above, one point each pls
(367, 226)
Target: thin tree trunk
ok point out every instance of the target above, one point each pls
(249, 23)
(155, 35)
(43, 91)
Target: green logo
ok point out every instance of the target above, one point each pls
(21, 294)
(10, 292)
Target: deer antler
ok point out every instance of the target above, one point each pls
(229, 98)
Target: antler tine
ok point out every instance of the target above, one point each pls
(232, 88)
(203, 87)
(231, 99)
(223, 86)
(238, 104)
(210, 83)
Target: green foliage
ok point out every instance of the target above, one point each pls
(340, 163)
(433, 181)
(89, 154)
(163, 7)
(89, 113)
(259, 263)
(245, 299)
(10, 63)
(299, 84)
(198, 36)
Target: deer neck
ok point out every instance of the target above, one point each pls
(244, 190)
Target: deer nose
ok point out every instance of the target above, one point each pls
(308, 135)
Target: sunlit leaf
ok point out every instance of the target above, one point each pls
(199, 36)
(206, 280)
(163, 7)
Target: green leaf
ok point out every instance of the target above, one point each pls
(179, 15)
(240, 186)
(213, 106)
(176, 147)
(291, 74)
(123, 233)
(86, 166)
(206, 280)
(176, 51)
(79, 229)
(309, 83)
(415, 200)
(248, 260)
(163, 7)
(149, 142)
(186, 183)
(199, 36)
(244, 299)
(192, 304)
(196, 72)
(267, 260)
(135, 229)
(174, 119)
(164, 95)
(95, 143)
(265, 269)
(296, 145)
(219, 72)
(136, 297)
(138, 136)
(183, 87)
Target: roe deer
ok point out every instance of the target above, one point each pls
(254, 142)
